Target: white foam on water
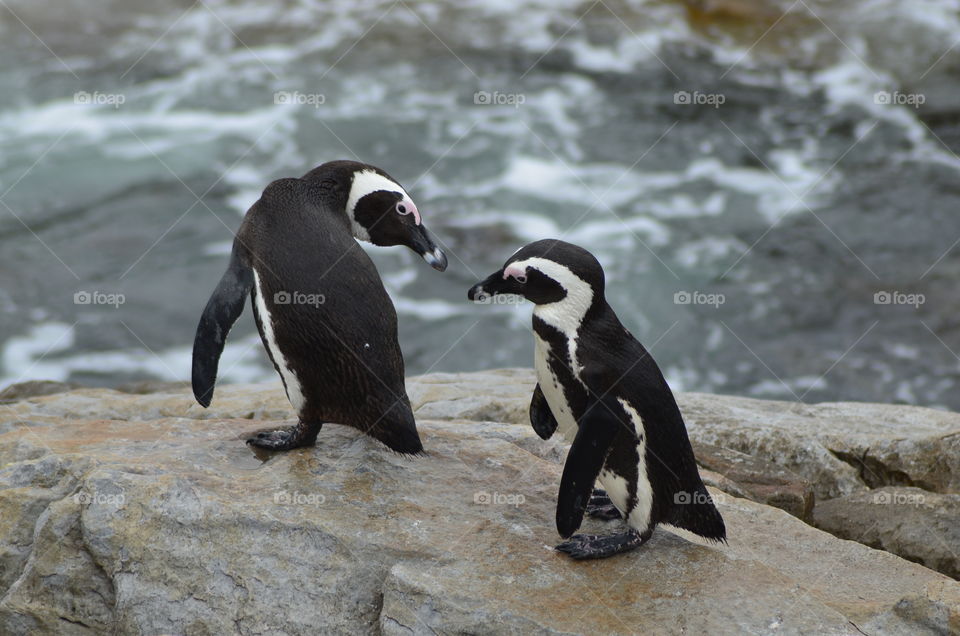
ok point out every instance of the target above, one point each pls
(710, 250)
(432, 309)
(796, 386)
(622, 230)
(38, 355)
(527, 226)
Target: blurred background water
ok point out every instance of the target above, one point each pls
(771, 185)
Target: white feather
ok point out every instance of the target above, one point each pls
(290, 381)
(552, 390)
(639, 517)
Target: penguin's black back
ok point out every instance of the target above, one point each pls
(343, 346)
(620, 364)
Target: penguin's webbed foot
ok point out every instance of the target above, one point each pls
(282, 439)
(607, 512)
(592, 546)
(599, 498)
(600, 506)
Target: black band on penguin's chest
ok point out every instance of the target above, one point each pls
(561, 364)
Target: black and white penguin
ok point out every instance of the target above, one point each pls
(324, 317)
(601, 388)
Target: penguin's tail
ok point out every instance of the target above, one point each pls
(694, 511)
(398, 430)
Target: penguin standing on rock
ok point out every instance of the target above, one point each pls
(605, 393)
(323, 314)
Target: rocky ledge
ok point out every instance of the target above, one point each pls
(143, 513)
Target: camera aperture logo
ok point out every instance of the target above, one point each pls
(297, 498)
(296, 98)
(696, 98)
(484, 498)
(298, 298)
(99, 298)
(99, 498)
(97, 98)
(698, 298)
(898, 298)
(496, 98)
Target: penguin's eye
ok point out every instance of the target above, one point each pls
(521, 278)
(403, 208)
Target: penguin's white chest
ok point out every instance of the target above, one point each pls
(553, 390)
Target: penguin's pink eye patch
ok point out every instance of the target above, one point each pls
(405, 207)
(517, 273)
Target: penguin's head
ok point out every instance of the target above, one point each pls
(545, 272)
(382, 212)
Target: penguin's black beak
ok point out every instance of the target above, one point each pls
(422, 244)
(486, 289)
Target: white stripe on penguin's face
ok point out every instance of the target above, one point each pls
(365, 182)
(565, 314)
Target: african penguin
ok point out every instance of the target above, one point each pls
(601, 388)
(323, 314)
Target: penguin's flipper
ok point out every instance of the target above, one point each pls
(541, 417)
(222, 310)
(595, 432)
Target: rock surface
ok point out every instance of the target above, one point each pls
(839, 447)
(918, 525)
(756, 479)
(129, 513)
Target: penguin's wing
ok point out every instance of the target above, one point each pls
(541, 417)
(222, 310)
(595, 433)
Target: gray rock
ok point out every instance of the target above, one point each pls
(34, 388)
(915, 524)
(141, 514)
(756, 479)
(840, 448)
